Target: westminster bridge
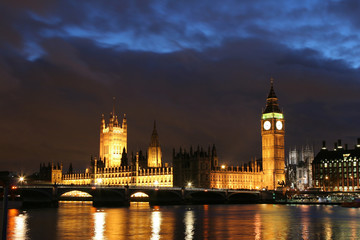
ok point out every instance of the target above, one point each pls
(50, 195)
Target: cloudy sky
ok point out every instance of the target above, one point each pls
(201, 69)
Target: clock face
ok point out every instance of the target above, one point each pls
(267, 125)
(279, 125)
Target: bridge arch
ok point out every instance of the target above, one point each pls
(75, 195)
(205, 197)
(62, 191)
(243, 197)
(139, 196)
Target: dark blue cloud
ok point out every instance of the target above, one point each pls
(167, 26)
(199, 68)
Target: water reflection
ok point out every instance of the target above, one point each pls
(257, 224)
(305, 221)
(189, 221)
(353, 223)
(99, 225)
(140, 221)
(17, 224)
(328, 229)
(155, 224)
(206, 222)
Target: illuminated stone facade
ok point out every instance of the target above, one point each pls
(113, 140)
(123, 176)
(154, 150)
(337, 169)
(197, 168)
(248, 176)
(51, 173)
(113, 166)
(273, 142)
(201, 169)
(298, 168)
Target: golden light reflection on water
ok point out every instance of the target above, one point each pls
(141, 221)
(99, 225)
(353, 223)
(17, 224)
(206, 222)
(155, 225)
(275, 222)
(257, 223)
(189, 222)
(328, 229)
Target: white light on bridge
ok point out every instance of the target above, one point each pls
(140, 195)
(76, 193)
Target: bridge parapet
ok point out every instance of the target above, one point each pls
(120, 195)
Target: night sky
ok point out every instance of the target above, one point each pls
(201, 69)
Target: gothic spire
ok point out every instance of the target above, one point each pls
(272, 92)
(272, 105)
(113, 112)
(154, 137)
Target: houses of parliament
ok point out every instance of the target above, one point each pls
(193, 167)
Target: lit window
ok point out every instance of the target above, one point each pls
(326, 165)
(354, 164)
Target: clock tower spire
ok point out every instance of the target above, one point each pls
(273, 135)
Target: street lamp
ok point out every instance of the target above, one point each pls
(325, 182)
(223, 166)
(21, 180)
(99, 181)
(189, 184)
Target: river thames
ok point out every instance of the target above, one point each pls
(80, 220)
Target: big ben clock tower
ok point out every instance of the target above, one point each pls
(273, 150)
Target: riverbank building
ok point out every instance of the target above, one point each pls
(114, 165)
(201, 169)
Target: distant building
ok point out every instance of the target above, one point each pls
(298, 167)
(154, 150)
(200, 168)
(193, 168)
(115, 167)
(273, 143)
(48, 174)
(113, 140)
(337, 169)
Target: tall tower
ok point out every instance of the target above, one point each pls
(273, 149)
(154, 150)
(113, 139)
